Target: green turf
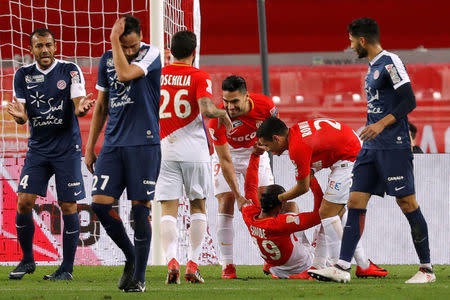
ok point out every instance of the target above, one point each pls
(101, 283)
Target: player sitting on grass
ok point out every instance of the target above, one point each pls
(279, 236)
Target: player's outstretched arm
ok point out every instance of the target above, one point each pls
(124, 70)
(83, 105)
(210, 110)
(299, 189)
(17, 111)
(97, 122)
(228, 170)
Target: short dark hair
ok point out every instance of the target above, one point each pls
(270, 127)
(41, 32)
(269, 198)
(183, 44)
(413, 130)
(365, 27)
(233, 83)
(132, 24)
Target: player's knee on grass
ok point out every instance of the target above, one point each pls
(25, 202)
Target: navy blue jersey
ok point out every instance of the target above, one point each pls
(386, 74)
(133, 110)
(48, 95)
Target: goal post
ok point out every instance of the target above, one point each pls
(82, 31)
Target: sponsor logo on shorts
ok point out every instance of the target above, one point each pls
(399, 188)
(148, 182)
(149, 193)
(77, 193)
(395, 178)
(74, 184)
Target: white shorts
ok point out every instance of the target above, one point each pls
(339, 182)
(194, 176)
(301, 258)
(265, 175)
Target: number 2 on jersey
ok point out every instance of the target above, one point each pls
(177, 104)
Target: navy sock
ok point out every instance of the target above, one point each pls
(114, 228)
(25, 233)
(352, 233)
(142, 238)
(419, 232)
(71, 233)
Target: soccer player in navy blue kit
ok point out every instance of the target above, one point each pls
(384, 164)
(50, 94)
(128, 94)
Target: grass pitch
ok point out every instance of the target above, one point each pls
(98, 282)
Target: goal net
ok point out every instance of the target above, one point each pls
(82, 31)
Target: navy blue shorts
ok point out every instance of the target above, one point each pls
(134, 167)
(384, 171)
(38, 169)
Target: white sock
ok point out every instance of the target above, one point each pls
(359, 255)
(169, 236)
(333, 233)
(320, 251)
(344, 264)
(197, 232)
(427, 266)
(225, 236)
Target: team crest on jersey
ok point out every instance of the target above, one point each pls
(61, 84)
(376, 74)
(393, 73)
(141, 54)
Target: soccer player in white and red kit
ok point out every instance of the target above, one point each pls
(279, 236)
(318, 144)
(185, 99)
(247, 111)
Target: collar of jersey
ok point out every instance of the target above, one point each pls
(374, 60)
(45, 72)
(252, 103)
(180, 65)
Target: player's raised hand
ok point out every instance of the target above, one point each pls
(118, 28)
(85, 105)
(371, 131)
(17, 111)
(89, 159)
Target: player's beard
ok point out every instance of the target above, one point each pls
(130, 58)
(361, 51)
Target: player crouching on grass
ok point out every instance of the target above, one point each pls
(278, 234)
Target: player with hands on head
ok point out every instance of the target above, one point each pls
(128, 96)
